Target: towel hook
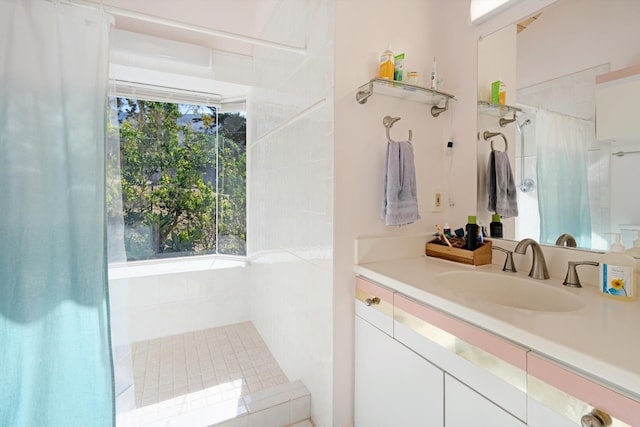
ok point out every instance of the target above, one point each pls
(488, 135)
(388, 122)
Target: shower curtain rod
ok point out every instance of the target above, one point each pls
(532, 107)
(622, 153)
(189, 27)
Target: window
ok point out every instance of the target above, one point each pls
(183, 175)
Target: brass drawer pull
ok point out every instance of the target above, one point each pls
(372, 301)
(596, 419)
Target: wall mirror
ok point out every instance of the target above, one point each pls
(568, 181)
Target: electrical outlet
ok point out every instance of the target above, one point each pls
(436, 205)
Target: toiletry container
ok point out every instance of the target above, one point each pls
(398, 67)
(472, 233)
(387, 64)
(618, 273)
(482, 232)
(447, 229)
(635, 250)
(502, 93)
(495, 92)
(412, 77)
(495, 227)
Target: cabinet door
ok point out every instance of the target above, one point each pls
(465, 407)
(393, 385)
(541, 416)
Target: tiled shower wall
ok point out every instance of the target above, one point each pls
(290, 196)
(168, 304)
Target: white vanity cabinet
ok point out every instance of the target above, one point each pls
(560, 397)
(490, 366)
(393, 385)
(418, 366)
(465, 407)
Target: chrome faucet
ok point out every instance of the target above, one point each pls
(508, 261)
(571, 278)
(566, 240)
(538, 264)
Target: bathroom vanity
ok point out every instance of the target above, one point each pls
(444, 344)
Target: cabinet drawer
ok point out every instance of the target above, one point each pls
(374, 304)
(494, 367)
(571, 395)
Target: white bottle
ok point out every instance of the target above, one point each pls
(635, 250)
(618, 276)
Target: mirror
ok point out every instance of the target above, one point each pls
(567, 180)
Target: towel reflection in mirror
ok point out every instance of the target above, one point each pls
(502, 198)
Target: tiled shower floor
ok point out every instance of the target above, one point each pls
(233, 358)
(220, 375)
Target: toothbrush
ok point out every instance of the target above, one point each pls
(434, 75)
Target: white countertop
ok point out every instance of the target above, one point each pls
(601, 339)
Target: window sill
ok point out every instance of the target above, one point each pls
(156, 267)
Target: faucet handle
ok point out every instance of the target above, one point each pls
(508, 261)
(571, 279)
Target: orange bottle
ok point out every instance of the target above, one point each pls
(386, 64)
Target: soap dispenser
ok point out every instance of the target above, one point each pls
(635, 250)
(618, 273)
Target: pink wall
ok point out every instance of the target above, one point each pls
(422, 29)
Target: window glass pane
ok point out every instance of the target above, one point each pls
(172, 166)
(232, 162)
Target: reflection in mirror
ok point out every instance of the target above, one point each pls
(567, 181)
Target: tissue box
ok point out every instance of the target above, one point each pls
(495, 92)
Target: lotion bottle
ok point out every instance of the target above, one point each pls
(618, 273)
(387, 63)
(635, 250)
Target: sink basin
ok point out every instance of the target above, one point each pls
(506, 290)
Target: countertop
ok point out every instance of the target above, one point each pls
(600, 340)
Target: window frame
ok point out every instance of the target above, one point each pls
(198, 262)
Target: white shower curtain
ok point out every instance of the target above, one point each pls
(563, 193)
(55, 348)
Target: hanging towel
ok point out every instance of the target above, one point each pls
(400, 201)
(501, 186)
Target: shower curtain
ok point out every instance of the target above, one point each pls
(55, 357)
(563, 190)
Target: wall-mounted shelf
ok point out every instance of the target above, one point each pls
(407, 91)
(498, 110)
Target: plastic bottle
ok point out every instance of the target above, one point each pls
(495, 227)
(386, 64)
(502, 93)
(447, 229)
(398, 67)
(618, 273)
(472, 234)
(635, 250)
